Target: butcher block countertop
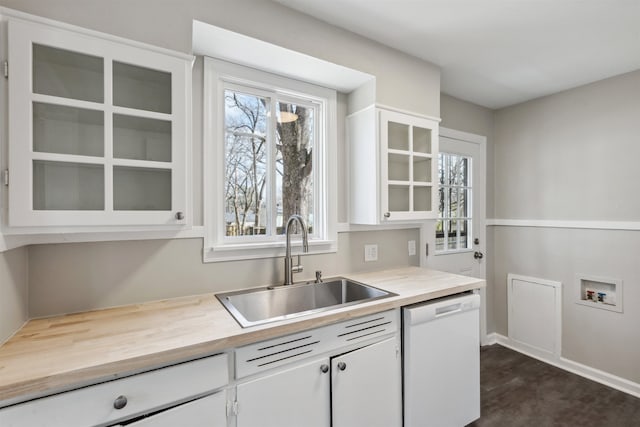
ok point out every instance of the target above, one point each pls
(64, 352)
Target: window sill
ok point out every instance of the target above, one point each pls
(237, 252)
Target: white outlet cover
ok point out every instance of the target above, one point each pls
(370, 253)
(412, 247)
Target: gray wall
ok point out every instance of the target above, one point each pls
(13, 291)
(574, 156)
(82, 276)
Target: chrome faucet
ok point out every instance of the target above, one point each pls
(288, 268)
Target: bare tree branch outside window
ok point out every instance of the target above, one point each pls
(247, 154)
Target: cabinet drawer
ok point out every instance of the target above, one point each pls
(207, 411)
(146, 392)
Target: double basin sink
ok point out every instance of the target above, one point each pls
(257, 306)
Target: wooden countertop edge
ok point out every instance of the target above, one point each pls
(16, 392)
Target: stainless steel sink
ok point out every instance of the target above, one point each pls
(252, 307)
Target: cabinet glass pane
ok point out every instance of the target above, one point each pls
(67, 186)
(67, 74)
(141, 189)
(141, 88)
(421, 198)
(421, 169)
(398, 198)
(141, 138)
(67, 130)
(422, 140)
(398, 136)
(398, 167)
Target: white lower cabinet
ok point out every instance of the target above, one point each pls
(358, 388)
(342, 375)
(366, 387)
(293, 397)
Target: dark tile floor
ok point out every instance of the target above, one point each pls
(519, 391)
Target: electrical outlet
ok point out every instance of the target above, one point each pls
(370, 253)
(412, 247)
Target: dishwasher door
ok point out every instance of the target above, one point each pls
(441, 358)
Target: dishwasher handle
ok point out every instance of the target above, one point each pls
(450, 306)
(449, 309)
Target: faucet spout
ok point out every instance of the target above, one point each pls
(289, 269)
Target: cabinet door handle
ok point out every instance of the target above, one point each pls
(120, 402)
(179, 216)
(342, 366)
(387, 214)
(324, 368)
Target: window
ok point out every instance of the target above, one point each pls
(270, 140)
(454, 220)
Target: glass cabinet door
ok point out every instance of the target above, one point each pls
(408, 175)
(96, 138)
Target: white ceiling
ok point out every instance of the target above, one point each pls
(497, 53)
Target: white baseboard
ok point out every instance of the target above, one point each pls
(585, 371)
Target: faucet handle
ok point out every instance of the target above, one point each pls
(318, 276)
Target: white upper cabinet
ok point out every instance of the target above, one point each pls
(98, 130)
(393, 166)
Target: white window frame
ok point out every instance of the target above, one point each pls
(469, 200)
(219, 75)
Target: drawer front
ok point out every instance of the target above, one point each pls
(210, 411)
(280, 351)
(96, 405)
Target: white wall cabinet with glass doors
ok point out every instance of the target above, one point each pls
(97, 130)
(393, 166)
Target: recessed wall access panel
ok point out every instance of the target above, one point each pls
(599, 292)
(534, 314)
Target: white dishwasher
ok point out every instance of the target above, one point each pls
(441, 351)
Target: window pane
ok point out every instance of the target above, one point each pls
(440, 235)
(245, 186)
(463, 203)
(294, 163)
(453, 234)
(459, 170)
(464, 235)
(455, 202)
